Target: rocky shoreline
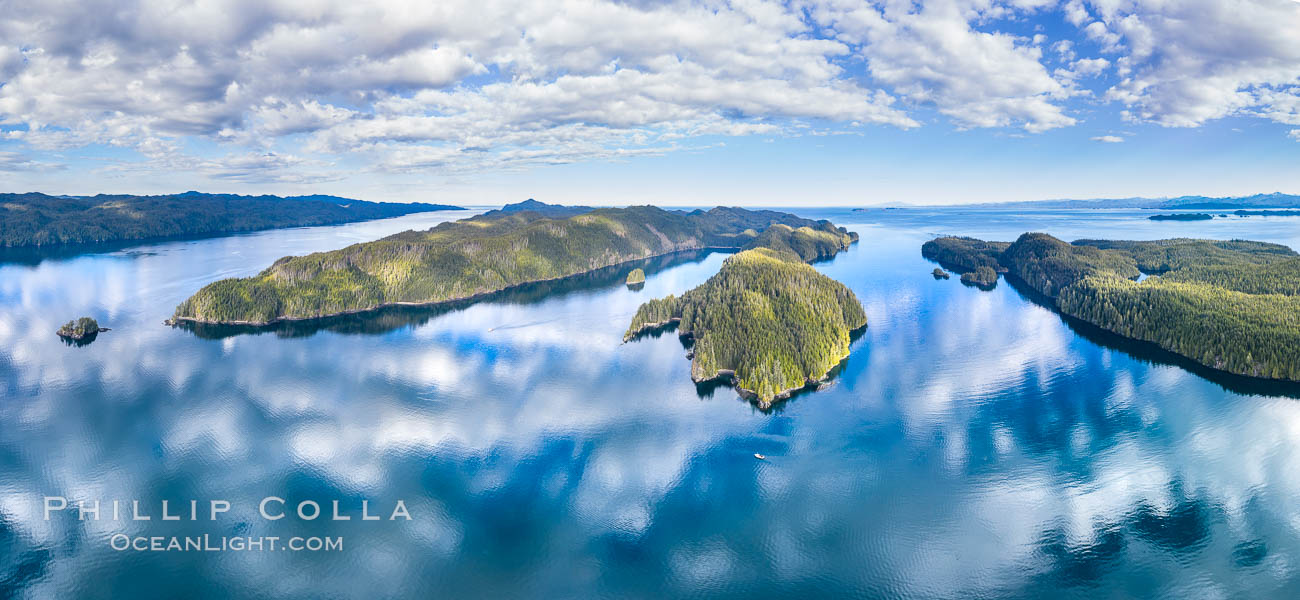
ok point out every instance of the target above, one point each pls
(649, 328)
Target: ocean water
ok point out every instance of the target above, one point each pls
(975, 444)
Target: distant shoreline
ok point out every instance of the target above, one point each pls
(36, 221)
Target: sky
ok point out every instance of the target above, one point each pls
(817, 102)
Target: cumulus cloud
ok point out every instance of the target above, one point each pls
(1198, 60)
(935, 56)
(14, 161)
(1109, 139)
(1076, 13)
(1089, 67)
(284, 87)
(1100, 33)
(394, 80)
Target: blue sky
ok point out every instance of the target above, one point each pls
(589, 101)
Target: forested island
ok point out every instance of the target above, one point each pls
(1182, 217)
(476, 256)
(767, 321)
(983, 277)
(1229, 305)
(967, 254)
(42, 220)
(636, 277)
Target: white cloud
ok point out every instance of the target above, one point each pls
(1065, 48)
(1089, 67)
(1109, 139)
(1294, 134)
(934, 56)
(1200, 60)
(392, 80)
(1282, 106)
(14, 161)
(286, 88)
(1076, 13)
(276, 117)
(1098, 32)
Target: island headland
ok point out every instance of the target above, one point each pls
(470, 258)
(767, 322)
(1233, 306)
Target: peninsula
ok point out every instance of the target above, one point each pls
(472, 257)
(1233, 305)
(43, 220)
(767, 322)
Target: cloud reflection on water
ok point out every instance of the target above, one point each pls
(974, 444)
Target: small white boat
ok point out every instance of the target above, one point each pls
(759, 456)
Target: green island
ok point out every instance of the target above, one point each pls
(983, 277)
(1182, 217)
(636, 276)
(1232, 305)
(767, 321)
(940, 273)
(476, 256)
(80, 329)
(1266, 213)
(966, 254)
(43, 220)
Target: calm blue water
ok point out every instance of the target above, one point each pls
(974, 445)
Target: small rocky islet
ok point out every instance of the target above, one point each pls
(83, 329)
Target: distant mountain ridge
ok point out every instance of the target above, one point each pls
(308, 198)
(550, 211)
(1273, 200)
(36, 219)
